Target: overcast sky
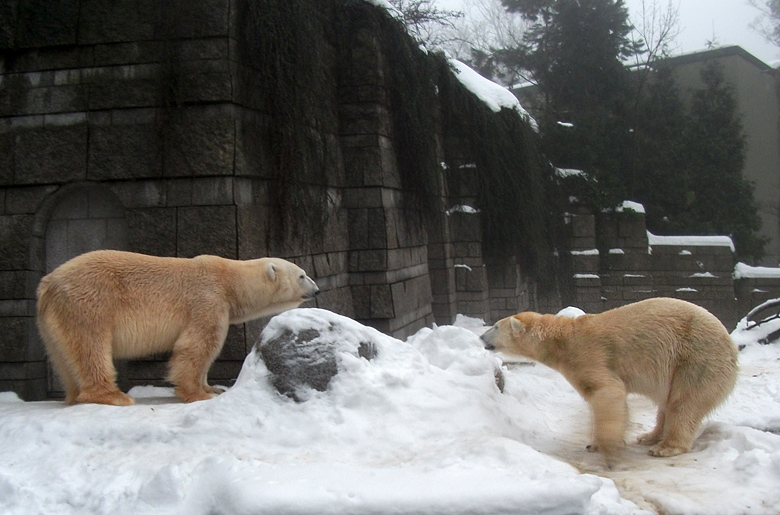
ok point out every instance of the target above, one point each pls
(725, 21)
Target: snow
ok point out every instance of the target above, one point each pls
(570, 172)
(495, 96)
(706, 275)
(462, 209)
(691, 241)
(630, 205)
(626, 205)
(422, 428)
(743, 271)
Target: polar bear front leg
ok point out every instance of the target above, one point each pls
(193, 353)
(610, 415)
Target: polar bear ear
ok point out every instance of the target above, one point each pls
(516, 325)
(271, 271)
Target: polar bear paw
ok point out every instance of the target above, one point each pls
(665, 450)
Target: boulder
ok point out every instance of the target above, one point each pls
(302, 349)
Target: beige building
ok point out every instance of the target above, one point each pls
(756, 86)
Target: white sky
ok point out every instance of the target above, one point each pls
(725, 21)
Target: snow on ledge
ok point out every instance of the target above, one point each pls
(743, 271)
(570, 172)
(495, 96)
(630, 205)
(690, 241)
(462, 209)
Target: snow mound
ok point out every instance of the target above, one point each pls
(420, 428)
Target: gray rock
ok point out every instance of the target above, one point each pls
(307, 358)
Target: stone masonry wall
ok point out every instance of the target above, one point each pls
(616, 261)
(138, 125)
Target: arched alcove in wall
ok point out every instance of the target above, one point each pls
(86, 218)
(77, 218)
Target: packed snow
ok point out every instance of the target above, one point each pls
(495, 96)
(421, 428)
(691, 241)
(743, 271)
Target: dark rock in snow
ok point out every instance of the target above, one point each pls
(301, 357)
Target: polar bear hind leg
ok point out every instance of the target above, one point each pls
(689, 402)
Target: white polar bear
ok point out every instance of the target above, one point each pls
(110, 304)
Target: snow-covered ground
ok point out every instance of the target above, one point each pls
(420, 429)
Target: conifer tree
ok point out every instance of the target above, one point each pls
(575, 51)
(721, 199)
(658, 176)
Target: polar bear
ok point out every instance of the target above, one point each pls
(671, 351)
(110, 304)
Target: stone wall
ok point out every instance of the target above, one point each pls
(156, 128)
(161, 128)
(617, 261)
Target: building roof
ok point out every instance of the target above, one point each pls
(715, 53)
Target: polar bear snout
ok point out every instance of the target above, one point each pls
(309, 287)
(489, 338)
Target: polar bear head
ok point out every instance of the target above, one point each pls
(291, 284)
(517, 335)
(268, 286)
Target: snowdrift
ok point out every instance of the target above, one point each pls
(419, 428)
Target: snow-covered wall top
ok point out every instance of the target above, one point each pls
(743, 271)
(691, 241)
(493, 95)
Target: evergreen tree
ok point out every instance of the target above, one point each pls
(575, 51)
(659, 173)
(721, 200)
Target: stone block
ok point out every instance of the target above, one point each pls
(55, 99)
(131, 52)
(152, 231)
(632, 227)
(200, 147)
(363, 166)
(15, 231)
(22, 201)
(43, 23)
(9, 12)
(361, 119)
(382, 301)
(124, 152)
(51, 156)
(7, 143)
(252, 226)
(15, 331)
(205, 81)
(584, 226)
(235, 347)
(195, 18)
(212, 191)
(14, 284)
(465, 227)
(122, 93)
(585, 263)
(376, 225)
(206, 230)
(140, 194)
(117, 21)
